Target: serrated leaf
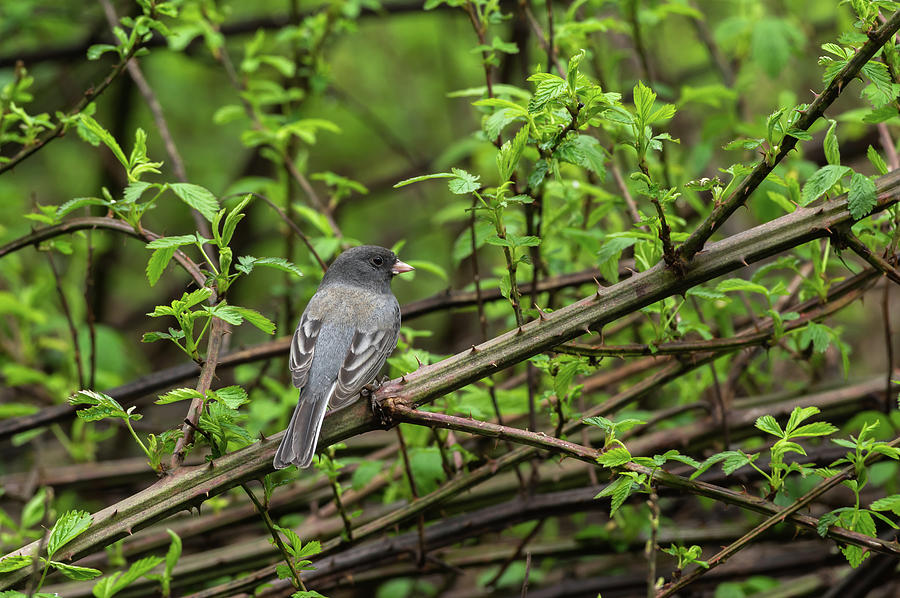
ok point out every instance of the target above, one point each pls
(257, 319)
(232, 396)
(248, 262)
(619, 490)
(75, 572)
(830, 145)
(815, 429)
(799, 415)
(614, 457)
(14, 563)
(888, 503)
(509, 154)
(767, 424)
(102, 135)
(549, 87)
(174, 552)
(67, 528)
(862, 196)
(178, 394)
(157, 263)
(79, 202)
(463, 182)
(734, 460)
(877, 161)
(171, 242)
(197, 197)
(821, 181)
(585, 151)
(739, 284)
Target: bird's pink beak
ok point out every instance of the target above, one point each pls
(401, 267)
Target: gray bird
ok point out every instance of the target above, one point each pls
(345, 334)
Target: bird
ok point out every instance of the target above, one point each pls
(344, 336)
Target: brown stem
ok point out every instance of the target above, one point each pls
(270, 525)
(873, 259)
(218, 330)
(73, 331)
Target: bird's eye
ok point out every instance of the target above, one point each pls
(377, 261)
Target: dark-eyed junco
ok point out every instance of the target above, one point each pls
(346, 332)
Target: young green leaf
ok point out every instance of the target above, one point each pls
(862, 196)
(197, 197)
(821, 181)
(614, 457)
(159, 259)
(75, 572)
(66, 529)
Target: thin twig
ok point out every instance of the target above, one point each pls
(816, 109)
(73, 331)
(422, 552)
(285, 556)
(90, 94)
(873, 259)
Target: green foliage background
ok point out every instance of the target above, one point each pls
(639, 109)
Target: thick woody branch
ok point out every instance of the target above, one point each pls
(192, 485)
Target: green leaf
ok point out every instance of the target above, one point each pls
(137, 570)
(767, 424)
(248, 262)
(66, 529)
(178, 394)
(815, 429)
(75, 572)
(197, 197)
(770, 45)
(862, 196)
(738, 284)
(34, 509)
(79, 202)
(103, 406)
(14, 563)
(172, 242)
(463, 182)
(100, 134)
(644, 98)
(509, 154)
(232, 396)
(174, 552)
(800, 414)
(572, 69)
(824, 179)
(888, 503)
(257, 319)
(619, 490)
(365, 472)
(585, 151)
(157, 263)
(877, 161)
(832, 149)
(614, 457)
(817, 334)
(549, 87)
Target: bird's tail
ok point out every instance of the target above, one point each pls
(299, 442)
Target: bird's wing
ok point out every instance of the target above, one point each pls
(368, 351)
(302, 347)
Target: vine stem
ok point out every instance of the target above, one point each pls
(267, 519)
